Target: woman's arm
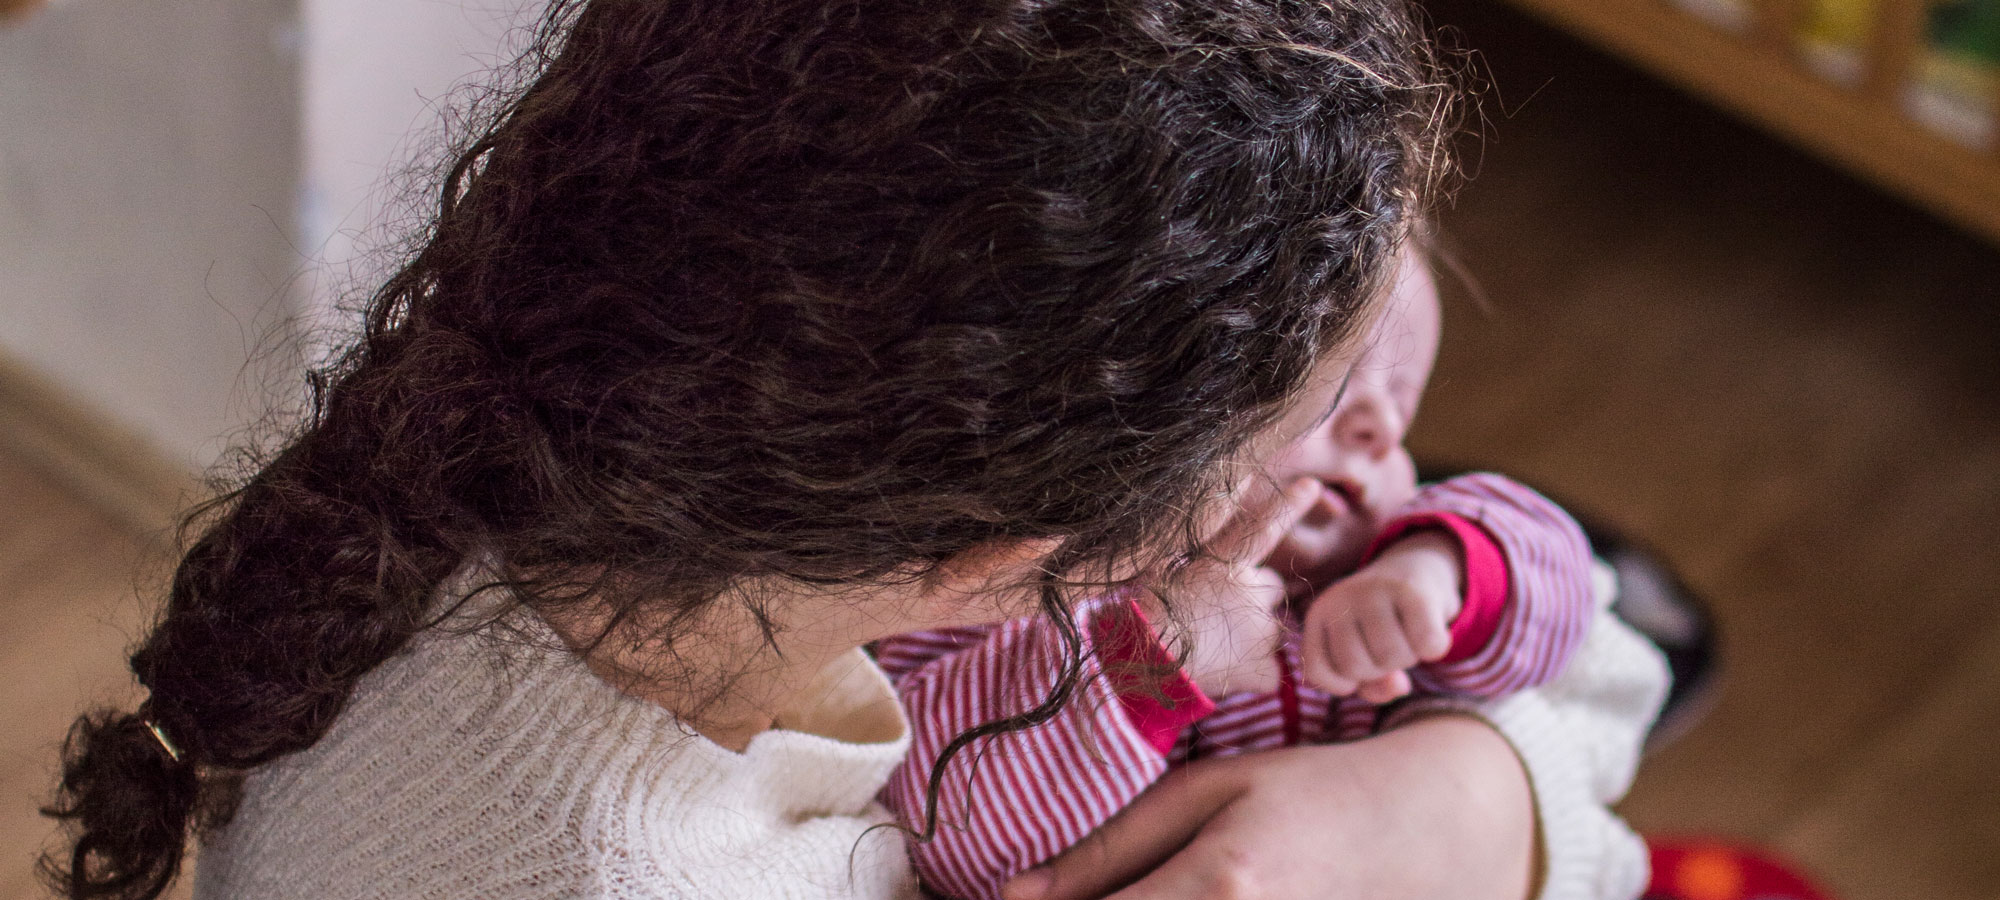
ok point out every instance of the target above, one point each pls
(1436, 809)
(1578, 738)
(1455, 801)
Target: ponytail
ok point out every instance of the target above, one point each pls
(132, 803)
(298, 589)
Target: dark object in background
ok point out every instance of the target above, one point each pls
(1657, 604)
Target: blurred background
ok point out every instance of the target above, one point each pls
(1731, 286)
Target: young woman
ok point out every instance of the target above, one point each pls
(749, 332)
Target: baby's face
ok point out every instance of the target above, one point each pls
(1357, 453)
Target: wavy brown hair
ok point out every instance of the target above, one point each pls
(823, 290)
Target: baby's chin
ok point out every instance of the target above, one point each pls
(1310, 557)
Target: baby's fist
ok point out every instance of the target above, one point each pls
(1365, 630)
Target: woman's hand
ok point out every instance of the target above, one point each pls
(1438, 809)
(1228, 604)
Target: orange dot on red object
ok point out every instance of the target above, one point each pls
(1710, 875)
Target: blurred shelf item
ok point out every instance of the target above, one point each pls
(1955, 83)
(1905, 93)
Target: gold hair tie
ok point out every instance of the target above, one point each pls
(173, 752)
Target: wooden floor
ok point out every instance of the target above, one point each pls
(1790, 385)
(1783, 380)
(70, 604)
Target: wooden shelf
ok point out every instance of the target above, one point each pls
(1757, 74)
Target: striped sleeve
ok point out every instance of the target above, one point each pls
(1545, 607)
(1009, 802)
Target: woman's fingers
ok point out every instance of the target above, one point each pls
(1254, 531)
(1368, 819)
(1206, 870)
(1163, 820)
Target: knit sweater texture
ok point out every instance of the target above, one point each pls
(472, 766)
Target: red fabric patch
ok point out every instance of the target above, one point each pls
(1158, 697)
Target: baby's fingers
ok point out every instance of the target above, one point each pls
(1345, 660)
(1385, 689)
(1383, 630)
(1317, 661)
(1424, 626)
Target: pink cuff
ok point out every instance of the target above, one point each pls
(1158, 697)
(1485, 577)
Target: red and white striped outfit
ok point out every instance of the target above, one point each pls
(1009, 802)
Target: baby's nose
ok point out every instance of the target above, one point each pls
(1371, 427)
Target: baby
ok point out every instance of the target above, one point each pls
(1359, 589)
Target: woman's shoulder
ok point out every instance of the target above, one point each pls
(463, 748)
(492, 764)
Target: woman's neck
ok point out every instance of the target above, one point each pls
(729, 673)
(762, 654)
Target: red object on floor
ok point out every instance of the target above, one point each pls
(1707, 869)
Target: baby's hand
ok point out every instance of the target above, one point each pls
(1365, 630)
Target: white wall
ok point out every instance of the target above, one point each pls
(181, 181)
(148, 165)
(377, 76)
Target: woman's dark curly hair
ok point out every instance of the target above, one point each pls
(826, 290)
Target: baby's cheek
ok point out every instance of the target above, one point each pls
(1400, 484)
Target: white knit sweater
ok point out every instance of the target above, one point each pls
(473, 768)
(468, 768)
